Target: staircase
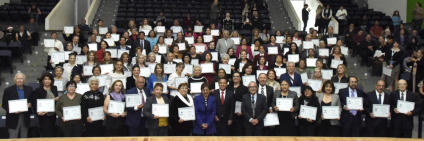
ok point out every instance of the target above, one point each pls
(278, 15)
(107, 12)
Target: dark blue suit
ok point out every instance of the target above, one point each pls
(119, 47)
(134, 120)
(204, 115)
(297, 79)
(351, 124)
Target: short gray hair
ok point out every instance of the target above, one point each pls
(152, 54)
(19, 73)
(59, 67)
(290, 63)
(225, 56)
(93, 78)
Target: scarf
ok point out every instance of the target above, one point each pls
(117, 97)
(184, 100)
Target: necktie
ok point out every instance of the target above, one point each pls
(401, 97)
(222, 98)
(253, 99)
(142, 43)
(262, 91)
(353, 111)
(142, 97)
(379, 99)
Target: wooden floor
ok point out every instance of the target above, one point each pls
(214, 139)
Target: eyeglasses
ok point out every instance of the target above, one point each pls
(71, 86)
(236, 76)
(253, 87)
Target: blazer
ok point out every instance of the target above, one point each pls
(222, 47)
(224, 112)
(152, 79)
(335, 79)
(204, 115)
(370, 99)
(134, 117)
(297, 79)
(335, 101)
(40, 93)
(305, 14)
(11, 93)
(151, 122)
(343, 93)
(119, 47)
(260, 111)
(269, 94)
(137, 43)
(291, 94)
(401, 120)
(313, 102)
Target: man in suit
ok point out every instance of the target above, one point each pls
(402, 123)
(224, 43)
(293, 78)
(351, 119)
(140, 42)
(305, 16)
(135, 119)
(17, 123)
(376, 126)
(83, 26)
(76, 43)
(367, 49)
(254, 109)
(330, 35)
(179, 40)
(122, 44)
(170, 58)
(224, 108)
(268, 92)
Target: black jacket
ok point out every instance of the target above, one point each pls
(40, 93)
(224, 112)
(11, 93)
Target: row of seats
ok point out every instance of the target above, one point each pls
(19, 12)
(6, 53)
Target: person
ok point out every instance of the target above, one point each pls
(34, 12)
(286, 118)
(302, 68)
(305, 16)
(254, 108)
(307, 126)
(127, 66)
(224, 43)
(341, 15)
(83, 26)
(264, 36)
(329, 35)
(304, 52)
(261, 54)
(350, 119)
(196, 77)
(358, 39)
(376, 30)
(175, 29)
(115, 121)
(107, 58)
(317, 75)
(180, 127)
(271, 79)
(161, 17)
(199, 42)
(172, 85)
(102, 51)
(77, 78)
(140, 42)
(396, 20)
(224, 108)
(228, 23)
(208, 59)
(58, 47)
(341, 75)
(319, 19)
(188, 21)
(261, 64)
(32, 28)
(144, 26)
(178, 40)
(214, 11)
(327, 14)
(243, 59)
(132, 79)
(402, 38)
(402, 123)
(205, 109)
(280, 62)
(239, 89)
(71, 68)
(77, 42)
(9, 35)
(294, 49)
(264, 89)
(418, 17)
(336, 54)
(69, 128)
(157, 126)
(193, 53)
(392, 59)
(153, 39)
(134, 121)
(291, 77)
(220, 74)
(367, 47)
(328, 127)
(24, 37)
(376, 126)
(92, 99)
(122, 44)
(419, 68)
(244, 47)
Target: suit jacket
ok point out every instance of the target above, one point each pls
(260, 111)
(204, 115)
(343, 93)
(137, 43)
(134, 117)
(151, 122)
(335, 101)
(370, 99)
(11, 93)
(126, 48)
(222, 48)
(291, 94)
(269, 94)
(297, 79)
(224, 112)
(40, 93)
(400, 120)
(305, 14)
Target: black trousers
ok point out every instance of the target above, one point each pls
(325, 25)
(237, 128)
(307, 129)
(139, 130)
(376, 131)
(94, 129)
(222, 128)
(351, 128)
(305, 23)
(115, 132)
(47, 125)
(71, 128)
(253, 131)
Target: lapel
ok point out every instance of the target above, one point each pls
(227, 96)
(154, 100)
(288, 76)
(374, 97)
(15, 94)
(409, 96)
(26, 92)
(386, 98)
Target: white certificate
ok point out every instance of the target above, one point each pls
(168, 41)
(293, 58)
(285, 50)
(132, 100)
(339, 86)
(181, 46)
(304, 77)
(113, 52)
(122, 51)
(344, 50)
(92, 46)
(272, 50)
(169, 68)
(116, 107)
(326, 74)
(179, 80)
(271, 119)
(59, 85)
(236, 40)
(248, 79)
(96, 113)
(98, 39)
(200, 48)
(195, 61)
(198, 29)
(316, 42)
(284, 104)
(18, 105)
(110, 42)
(158, 59)
(178, 60)
(323, 52)
(160, 29)
(161, 110)
(195, 87)
(145, 72)
(57, 57)
(102, 80)
(311, 62)
(107, 68)
(103, 30)
(254, 54)
(279, 39)
(88, 70)
(315, 84)
(259, 72)
(207, 68)
(378, 53)
(332, 41)
(296, 89)
(331, 112)
(162, 49)
(123, 79)
(308, 45)
(190, 40)
(82, 88)
(402, 106)
(146, 31)
(354, 103)
(215, 32)
(80, 59)
(207, 38)
(152, 67)
(186, 113)
(280, 71)
(335, 63)
(188, 69)
(226, 67)
(237, 109)
(72, 112)
(382, 111)
(49, 42)
(308, 112)
(232, 61)
(298, 42)
(387, 71)
(176, 29)
(68, 29)
(115, 37)
(165, 88)
(214, 56)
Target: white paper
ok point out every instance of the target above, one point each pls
(339, 86)
(96, 113)
(280, 71)
(387, 71)
(214, 56)
(215, 32)
(179, 80)
(88, 70)
(226, 67)
(116, 107)
(82, 88)
(335, 63)
(327, 74)
(188, 69)
(272, 50)
(152, 67)
(186, 113)
(80, 59)
(248, 79)
(316, 42)
(236, 40)
(293, 58)
(110, 42)
(285, 50)
(162, 49)
(49, 42)
(232, 61)
(332, 41)
(132, 100)
(195, 61)
(169, 68)
(237, 108)
(405, 106)
(123, 79)
(168, 41)
(161, 110)
(178, 60)
(259, 72)
(207, 38)
(181, 46)
(113, 52)
(308, 112)
(195, 87)
(68, 29)
(200, 48)
(176, 29)
(254, 53)
(146, 31)
(331, 112)
(304, 77)
(92, 46)
(296, 89)
(145, 72)
(98, 39)
(382, 111)
(165, 86)
(158, 59)
(102, 80)
(298, 42)
(58, 57)
(207, 68)
(344, 50)
(18, 105)
(284, 104)
(311, 62)
(308, 45)
(103, 30)
(198, 29)
(271, 119)
(354, 103)
(378, 53)
(190, 40)
(72, 112)
(107, 68)
(59, 85)
(115, 37)
(279, 39)
(315, 84)
(122, 51)
(160, 29)
(323, 52)
(66, 54)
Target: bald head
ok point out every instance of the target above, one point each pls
(140, 82)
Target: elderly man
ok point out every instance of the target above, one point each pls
(17, 122)
(376, 126)
(293, 78)
(224, 43)
(135, 120)
(76, 45)
(254, 109)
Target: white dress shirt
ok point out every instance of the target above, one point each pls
(171, 82)
(339, 14)
(382, 97)
(404, 95)
(220, 95)
(57, 44)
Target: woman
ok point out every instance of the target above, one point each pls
(328, 127)
(58, 71)
(91, 59)
(287, 125)
(231, 53)
(256, 37)
(162, 44)
(256, 46)
(197, 77)
(70, 128)
(272, 44)
(212, 49)
(177, 53)
(158, 34)
(157, 126)
(221, 74)
(199, 42)
(319, 64)
(418, 16)
(396, 20)
(205, 110)
(46, 91)
(141, 61)
(209, 76)
(71, 68)
(341, 76)
(420, 67)
(294, 49)
(131, 24)
(125, 57)
(92, 99)
(327, 14)
(392, 59)
(236, 34)
(214, 38)
(308, 127)
(152, 38)
(248, 70)
(84, 49)
(318, 19)
(247, 25)
(239, 90)
(144, 26)
(413, 45)
(336, 55)
(179, 126)
(262, 64)
(118, 71)
(271, 81)
(157, 76)
(115, 121)
(69, 47)
(302, 68)
(77, 78)
(318, 75)
(172, 85)
(107, 58)
(245, 47)
(226, 60)
(280, 62)
(34, 12)
(77, 32)
(243, 59)
(315, 34)
(264, 36)
(151, 59)
(193, 53)
(100, 53)
(132, 79)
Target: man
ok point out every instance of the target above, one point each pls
(135, 119)
(140, 42)
(265, 90)
(254, 109)
(351, 119)
(368, 47)
(289, 41)
(376, 30)
(83, 26)
(357, 39)
(376, 126)
(24, 37)
(176, 28)
(170, 58)
(180, 39)
(224, 43)
(402, 123)
(214, 11)
(76, 45)
(58, 47)
(127, 37)
(341, 18)
(330, 35)
(305, 16)
(17, 123)
(122, 44)
(417, 37)
(228, 22)
(304, 52)
(224, 108)
(32, 28)
(293, 78)
(256, 20)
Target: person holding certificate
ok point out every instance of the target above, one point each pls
(193, 53)
(92, 99)
(125, 58)
(157, 126)
(292, 50)
(141, 60)
(329, 127)
(262, 64)
(122, 44)
(102, 51)
(58, 71)
(402, 123)
(131, 80)
(77, 78)
(293, 78)
(199, 42)
(393, 58)
(231, 53)
(336, 55)
(304, 52)
(245, 47)
(107, 59)
(341, 76)
(157, 76)
(115, 121)
(212, 49)
(271, 81)
(161, 43)
(280, 62)
(302, 68)
(262, 53)
(376, 126)
(248, 70)
(351, 119)
(323, 53)
(71, 68)
(243, 59)
(57, 47)
(209, 76)
(226, 61)
(171, 81)
(151, 58)
(239, 90)
(287, 125)
(134, 121)
(205, 109)
(177, 53)
(91, 59)
(180, 40)
(197, 77)
(118, 70)
(318, 76)
(142, 43)
(308, 127)
(179, 126)
(70, 128)
(272, 55)
(226, 42)
(221, 74)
